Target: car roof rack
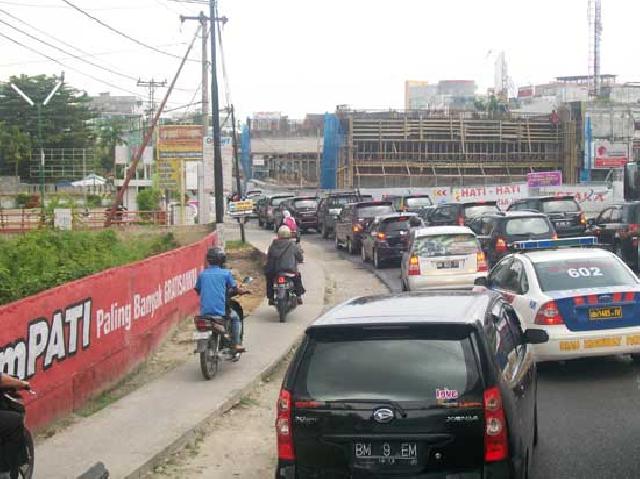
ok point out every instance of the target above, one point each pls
(543, 244)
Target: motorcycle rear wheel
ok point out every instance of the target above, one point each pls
(282, 311)
(26, 470)
(209, 359)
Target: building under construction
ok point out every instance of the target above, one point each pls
(426, 148)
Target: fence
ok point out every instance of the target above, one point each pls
(24, 220)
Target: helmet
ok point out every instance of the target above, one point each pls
(284, 232)
(286, 214)
(216, 257)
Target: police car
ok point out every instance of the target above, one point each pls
(587, 299)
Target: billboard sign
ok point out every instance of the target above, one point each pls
(544, 178)
(610, 155)
(504, 195)
(177, 143)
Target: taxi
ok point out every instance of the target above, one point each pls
(586, 298)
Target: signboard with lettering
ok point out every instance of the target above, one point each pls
(610, 155)
(177, 143)
(504, 195)
(544, 178)
(240, 208)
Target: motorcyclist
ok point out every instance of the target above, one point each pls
(283, 256)
(213, 285)
(12, 433)
(290, 222)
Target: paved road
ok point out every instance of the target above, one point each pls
(589, 410)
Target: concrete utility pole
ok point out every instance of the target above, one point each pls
(203, 191)
(237, 162)
(151, 85)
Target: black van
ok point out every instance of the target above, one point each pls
(414, 385)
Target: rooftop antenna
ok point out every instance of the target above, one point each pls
(595, 37)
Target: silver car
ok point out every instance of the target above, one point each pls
(442, 257)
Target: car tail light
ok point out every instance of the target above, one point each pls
(202, 324)
(357, 228)
(282, 279)
(634, 229)
(629, 297)
(578, 300)
(501, 245)
(496, 445)
(549, 315)
(461, 220)
(554, 236)
(382, 236)
(592, 299)
(414, 266)
(283, 427)
(481, 259)
(617, 297)
(583, 219)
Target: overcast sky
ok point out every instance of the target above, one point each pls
(299, 56)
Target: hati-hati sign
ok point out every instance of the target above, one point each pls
(504, 195)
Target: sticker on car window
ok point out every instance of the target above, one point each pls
(584, 272)
(446, 394)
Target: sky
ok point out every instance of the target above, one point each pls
(299, 56)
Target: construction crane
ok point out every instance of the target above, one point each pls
(595, 37)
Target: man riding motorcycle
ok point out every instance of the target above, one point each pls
(283, 256)
(290, 222)
(12, 433)
(212, 286)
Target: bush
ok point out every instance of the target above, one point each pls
(149, 199)
(43, 259)
(94, 201)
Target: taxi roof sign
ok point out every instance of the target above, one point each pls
(581, 242)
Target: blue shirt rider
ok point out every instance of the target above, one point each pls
(212, 286)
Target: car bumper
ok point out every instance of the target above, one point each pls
(307, 222)
(571, 231)
(453, 281)
(390, 253)
(565, 344)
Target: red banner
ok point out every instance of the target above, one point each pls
(75, 340)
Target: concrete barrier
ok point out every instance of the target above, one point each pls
(75, 340)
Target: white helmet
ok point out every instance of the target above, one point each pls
(286, 214)
(284, 232)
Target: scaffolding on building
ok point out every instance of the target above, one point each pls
(420, 149)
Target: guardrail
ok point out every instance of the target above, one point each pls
(24, 220)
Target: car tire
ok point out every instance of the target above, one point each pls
(635, 358)
(377, 263)
(348, 246)
(404, 286)
(325, 232)
(363, 254)
(535, 426)
(260, 222)
(337, 242)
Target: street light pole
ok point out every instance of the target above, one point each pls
(40, 139)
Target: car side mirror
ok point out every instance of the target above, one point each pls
(591, 222)
(535, 336)
(481, 281)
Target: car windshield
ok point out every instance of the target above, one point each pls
(582, 273)
(445, 245)
(534, 225)
(418, 202)
(374, 210)
(473, 211)
(560, 206)
(402, 369)
(277, 201)
(306, 204)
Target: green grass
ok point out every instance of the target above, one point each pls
(235, 245)
(44, 259)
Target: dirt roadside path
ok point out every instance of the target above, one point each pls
(241, 443)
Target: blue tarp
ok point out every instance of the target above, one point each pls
(333, 137)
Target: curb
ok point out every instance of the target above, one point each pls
(190, 436)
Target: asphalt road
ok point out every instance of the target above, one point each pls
(589, 410)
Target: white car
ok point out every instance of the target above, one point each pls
(587, 299)
(442, 257)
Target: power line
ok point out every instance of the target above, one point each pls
(95, 65)
(118, 32)
(66, 66)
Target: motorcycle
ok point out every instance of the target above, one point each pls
(285, 299)
(10, 400)
(214, 339)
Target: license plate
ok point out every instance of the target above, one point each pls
(605, 313)
(201, 335)
(563, 223)
(447, 264)
(386, 453)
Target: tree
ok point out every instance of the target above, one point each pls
(15, 149)
(111, 133)
(65, 119)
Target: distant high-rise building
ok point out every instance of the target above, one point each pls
(417, 94)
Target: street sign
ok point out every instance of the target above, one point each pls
(240, 208)
(62, 219)
(544, 178)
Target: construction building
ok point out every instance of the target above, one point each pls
(423, 148)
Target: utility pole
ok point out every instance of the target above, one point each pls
(203, 191)
(151, 85)
(237, 162)
(215, 114)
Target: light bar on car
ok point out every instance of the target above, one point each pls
(584, 241)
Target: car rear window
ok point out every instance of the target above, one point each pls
(581, 273)
(560, 206)
(305, 204)
(342, 200)
(397, 369)
(534, 225)
(374, 210)
(446, 245)
(418, 202)
(277, 201)
(473, 211)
